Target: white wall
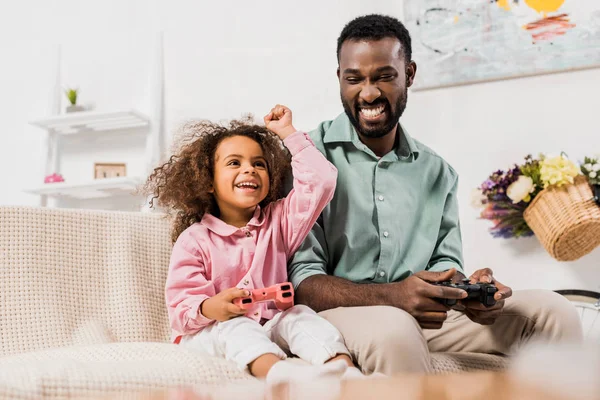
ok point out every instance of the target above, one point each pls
(226, 58)
(106, 49)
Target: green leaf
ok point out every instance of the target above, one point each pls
(72, 96)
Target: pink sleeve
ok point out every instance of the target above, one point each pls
(187, 287)
(314, 185)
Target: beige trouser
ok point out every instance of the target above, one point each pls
(389, 340)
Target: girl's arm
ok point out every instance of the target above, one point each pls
(314, 180)
(314, 186)
(187, 287)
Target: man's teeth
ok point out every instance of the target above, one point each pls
(247, 184)
(372, 112)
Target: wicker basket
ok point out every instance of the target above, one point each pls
(566, 220)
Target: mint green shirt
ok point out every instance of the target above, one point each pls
(389, 218)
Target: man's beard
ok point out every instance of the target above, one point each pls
(378, 131)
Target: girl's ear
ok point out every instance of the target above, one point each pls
(211, 189)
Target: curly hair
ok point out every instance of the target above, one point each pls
(181, 185)
(376, 27)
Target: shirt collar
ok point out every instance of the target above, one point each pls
(341, 130)
(221, 228)
(407, 147)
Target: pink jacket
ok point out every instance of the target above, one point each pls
(211, 256)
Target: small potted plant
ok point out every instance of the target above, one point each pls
(72, 96)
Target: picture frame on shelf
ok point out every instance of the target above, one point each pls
(109, 170)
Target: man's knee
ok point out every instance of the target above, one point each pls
(383, 339)
(565, 316)
(555, 317)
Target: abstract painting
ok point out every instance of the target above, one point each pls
(466, 41)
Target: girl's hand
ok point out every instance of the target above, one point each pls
(221, 308)
(279, 121)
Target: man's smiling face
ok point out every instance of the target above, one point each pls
(374, 83)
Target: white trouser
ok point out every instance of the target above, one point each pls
(298, 330)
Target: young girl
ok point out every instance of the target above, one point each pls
(233, 233)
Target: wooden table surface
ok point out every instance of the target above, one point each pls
(466, 386)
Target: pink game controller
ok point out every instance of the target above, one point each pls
(282, 294)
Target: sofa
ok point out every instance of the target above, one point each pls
(82, 310)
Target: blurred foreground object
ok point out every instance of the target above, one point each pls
(537, 374)
(568, 370)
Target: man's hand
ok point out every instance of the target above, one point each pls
(417, 296)
(476, 311)
(221, 308)
(279, 121)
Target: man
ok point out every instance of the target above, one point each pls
(392, 229)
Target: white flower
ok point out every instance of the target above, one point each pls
(595, 167)
(520, 189)
(588, 167)
(593, 174)
(477, 198)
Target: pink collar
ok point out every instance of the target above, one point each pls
(221, 228)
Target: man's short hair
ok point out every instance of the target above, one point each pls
(376, 27)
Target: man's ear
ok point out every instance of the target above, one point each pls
(411, 72)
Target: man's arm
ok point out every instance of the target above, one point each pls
(415, 295)
(448, 248)
(323, 292)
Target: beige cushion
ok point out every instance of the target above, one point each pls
(448, 363)
(99, 369)
(70, 277)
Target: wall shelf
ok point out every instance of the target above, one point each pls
(113, 136)
(92, 121)
(99, 188)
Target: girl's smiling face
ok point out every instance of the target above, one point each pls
(241, 177)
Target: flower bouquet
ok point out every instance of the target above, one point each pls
(550, 197)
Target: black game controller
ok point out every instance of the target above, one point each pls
(484, 292)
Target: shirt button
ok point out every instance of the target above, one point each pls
(386, 233)
(380, 198)
(381, 273)
(245, 283)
